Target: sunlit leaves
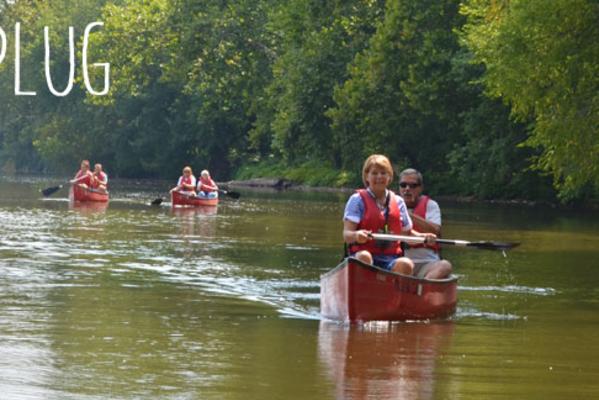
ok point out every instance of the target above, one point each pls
(400, 97)
(542, 58)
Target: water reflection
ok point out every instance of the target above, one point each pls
(88, 207)
(196, 221)
(193, 211)
(383, 360)
(141, 302)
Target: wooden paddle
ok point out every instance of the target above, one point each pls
(462, 243)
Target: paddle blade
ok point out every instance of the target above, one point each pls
(494, 245)
(156, 202)
(233, 195)
(51, 190)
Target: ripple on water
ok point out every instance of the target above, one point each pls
(538, 291)
(472, 313)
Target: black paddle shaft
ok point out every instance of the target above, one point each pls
(460, 243)
(51, 190)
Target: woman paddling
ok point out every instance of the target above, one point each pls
(84, 176)
(377, 209)
(186, 184)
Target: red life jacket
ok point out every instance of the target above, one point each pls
(184, 180)
(87, 179)
(420, 210)
(206, 185)
(103, 178)
(375, 220)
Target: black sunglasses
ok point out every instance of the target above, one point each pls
(404, 185)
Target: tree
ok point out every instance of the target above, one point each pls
(541, 58)
(401, 99)
(316, 40)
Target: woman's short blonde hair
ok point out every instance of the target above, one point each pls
(377, 160)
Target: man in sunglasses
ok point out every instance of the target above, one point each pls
(426, 217)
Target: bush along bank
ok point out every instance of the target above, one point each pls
(278, 174)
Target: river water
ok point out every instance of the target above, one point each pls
(132, 301)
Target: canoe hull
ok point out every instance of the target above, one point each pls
(354, 291)
(80, 194)
(178, 199)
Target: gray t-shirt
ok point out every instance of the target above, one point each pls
(423, 254)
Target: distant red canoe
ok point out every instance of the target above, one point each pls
(355, 291)
(179, 199)
(80, 194)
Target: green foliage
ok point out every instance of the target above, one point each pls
(311, 173)
(541, 58)
(306, 90)
(319, 39)
(43, 131)
(400, 99)
(491, 163)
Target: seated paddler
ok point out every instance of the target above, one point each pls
(207, 188)
(426, 216)
(187, 183)
(84, 176)
(377, 209)
(100, 181)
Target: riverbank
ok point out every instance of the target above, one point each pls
(286, 184)
(318, 177)
(309, 174)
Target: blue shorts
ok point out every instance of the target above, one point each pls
(207, 195)
(383, 261)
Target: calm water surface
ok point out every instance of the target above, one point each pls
(132, 301)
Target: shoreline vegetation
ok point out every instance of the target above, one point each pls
(311, 177)
(497, 100)
(281, 184)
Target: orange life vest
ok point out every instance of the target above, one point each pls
(87, 179)
(103, 178)
(375, 220)
(420, 210)
(184, 180)
(206, 185)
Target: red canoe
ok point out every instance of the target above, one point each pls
(354, 291)
(80, 194)
(180, 199)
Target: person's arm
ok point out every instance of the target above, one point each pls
(404, 215)
(178, 187)
(190, 186)
(430, 237)
(354, 210)
(353, 235)
(79, 177)
(424, 225)
(211, 186)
